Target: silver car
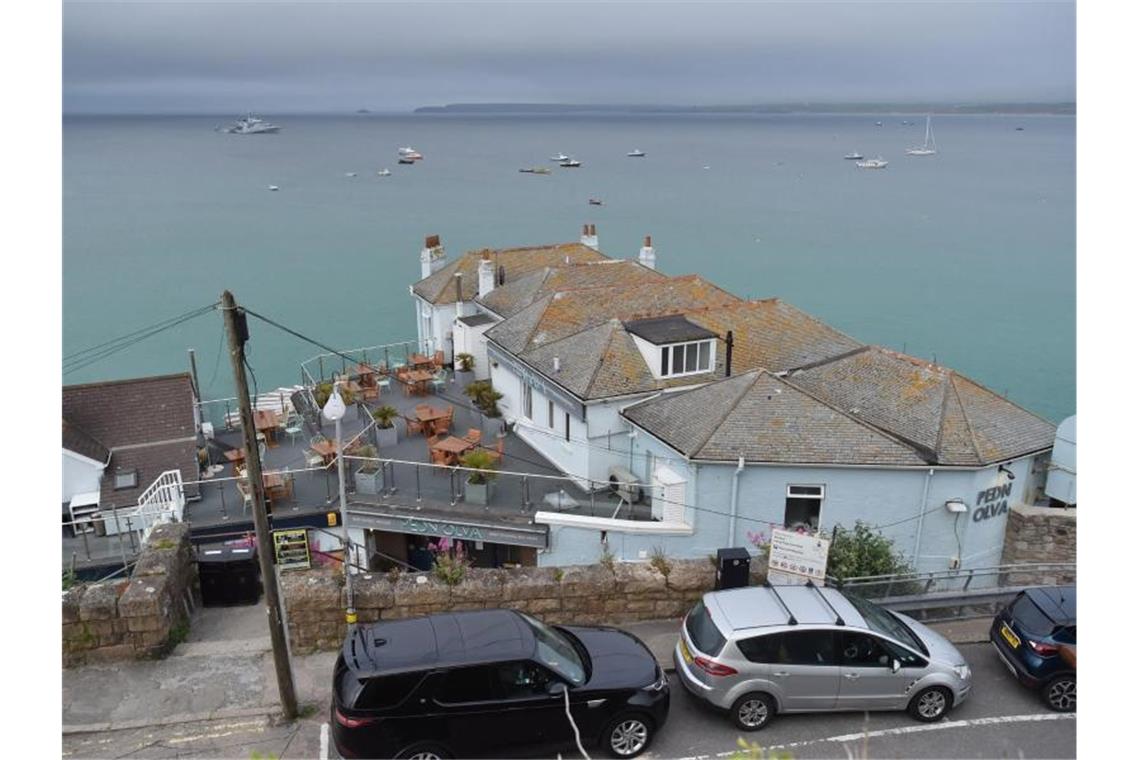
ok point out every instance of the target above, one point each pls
(765, 649)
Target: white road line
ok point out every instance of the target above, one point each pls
(325, 741)
(842, 738)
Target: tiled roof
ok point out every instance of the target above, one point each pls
(146, 423)
(79, 442)
(760, 417)
(948, 418)
(508, 299)
(439, 287)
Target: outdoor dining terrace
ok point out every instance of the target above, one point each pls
(413, 446)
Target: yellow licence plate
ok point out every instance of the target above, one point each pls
(686, 655)
(1010, 636)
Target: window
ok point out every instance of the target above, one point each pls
(126, 479)
(686, 358)
(567, 426)
(802, 507)
(556, 651)
(703, 632)
(527, 401)
(465, 685)
(801, 647)
(884, 622)
(550, 414)
(387, 691)
(522, 680)
(862, 650)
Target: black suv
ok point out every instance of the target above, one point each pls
(1036, 638)
(493, 683)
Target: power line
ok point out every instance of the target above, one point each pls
(94, 354)
(301, 336)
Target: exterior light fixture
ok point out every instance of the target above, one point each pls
(1008, 472)
(956, 505)
(334, 408)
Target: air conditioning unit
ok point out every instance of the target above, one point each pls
(624, 484)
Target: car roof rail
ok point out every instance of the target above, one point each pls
(823, 596)
(775, 593)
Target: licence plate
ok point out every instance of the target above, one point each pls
(686, 655)
(1010, 636)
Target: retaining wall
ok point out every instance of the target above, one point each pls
(1040, 534)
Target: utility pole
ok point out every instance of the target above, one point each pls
(237, 332)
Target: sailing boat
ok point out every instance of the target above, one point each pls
(928, 148)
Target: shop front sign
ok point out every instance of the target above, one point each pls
(992, 502)
(433, 526)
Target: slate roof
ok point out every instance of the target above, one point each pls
(763, 418)
(511, 297)
(439, 287)
(946, 417)
(78, 441)
(145, 423)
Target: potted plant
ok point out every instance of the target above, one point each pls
(385, 417)
(322, 391)
(486, 398)
(464, 368)
(368, 477)
(481, 477)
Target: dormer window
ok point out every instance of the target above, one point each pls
(686, 358)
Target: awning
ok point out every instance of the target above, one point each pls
(88, 499)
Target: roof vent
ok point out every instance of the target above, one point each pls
(557, 364)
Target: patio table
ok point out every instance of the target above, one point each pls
(453, 447)
(327, 450)
(418, 380)
(419, 360)
(265, 421)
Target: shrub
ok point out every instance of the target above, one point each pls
(483, 465)
(466, 362)
(449, 562)
(367, 452)
(385, 416)
(763, 544)
(607, 559)
(861, 551)
(323, 391)
(659, 562)
(485, 397)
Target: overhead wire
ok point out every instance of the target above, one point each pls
(89, 356)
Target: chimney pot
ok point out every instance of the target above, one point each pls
(557, 364)
(585, 229)
(648, 241)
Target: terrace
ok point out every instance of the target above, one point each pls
(300, 469)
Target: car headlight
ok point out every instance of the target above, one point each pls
(962, 671)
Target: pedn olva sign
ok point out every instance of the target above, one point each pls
(992, 502)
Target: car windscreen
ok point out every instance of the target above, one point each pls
(882, 621)
(553, 650)
(1030, 617)
(703, 631)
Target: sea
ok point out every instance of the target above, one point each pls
(967, 257)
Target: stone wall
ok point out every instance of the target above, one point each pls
(583, 595)
(137, 618)
(1041, 534)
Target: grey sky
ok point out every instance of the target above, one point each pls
(165, 56)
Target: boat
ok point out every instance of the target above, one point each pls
(535, 170)
(560, 157)
(636, 153)
(854, 156)
(1019, 129)
(274, 188)
(872, 163)
(596, 202)
(251, 125)
(383, 173)
(878, 123)
(409, 153)
(570, 163)
(402, 160)
(928, 148)
(350, 174)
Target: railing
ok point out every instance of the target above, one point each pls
(224, 414)
(163, 501)
(117, 544)
(314, 369)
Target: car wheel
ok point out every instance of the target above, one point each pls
(627, 735)
(424, 751)
(1061, 693)
(753, 711)
(930, 704)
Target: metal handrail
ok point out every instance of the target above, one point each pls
(949, 574)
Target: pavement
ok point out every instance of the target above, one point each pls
(216, 696)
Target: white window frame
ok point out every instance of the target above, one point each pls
(820, 497)
(694, 345)
(527, 400)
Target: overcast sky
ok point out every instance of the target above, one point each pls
(273, 56)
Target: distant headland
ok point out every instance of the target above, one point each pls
(770, 108)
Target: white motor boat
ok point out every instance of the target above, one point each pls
(636, 153)
(560, 157)
(274, 188)
(251, 125)
(350, 174)
(854, 156)
(872, 163)
(409, 153)
(928, 147)
(383, 173)
(570, 163)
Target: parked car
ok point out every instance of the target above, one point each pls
(1036, 637)
(493, 683)
(764, 650)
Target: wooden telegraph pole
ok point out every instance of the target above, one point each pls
(238, 333)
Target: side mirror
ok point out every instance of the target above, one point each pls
(895, 666)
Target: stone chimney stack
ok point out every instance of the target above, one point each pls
(648, 256)
(590, 236)
(486, 274)
(432, 257)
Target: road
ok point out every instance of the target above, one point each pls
(999, 720)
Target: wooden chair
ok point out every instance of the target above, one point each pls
(438, 458)
(497, 453)
(444, 423)
(474, 436)
(437, 360)
(414, 425)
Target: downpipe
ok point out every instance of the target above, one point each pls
(921, 514)
(735, 494)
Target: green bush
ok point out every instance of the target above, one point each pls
(466, 362)
(861, 551)
(482, 464)
(485, 397)
(384, 415)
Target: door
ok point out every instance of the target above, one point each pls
(869, 681)
(800, 665)
(471, 720)
(531, 717)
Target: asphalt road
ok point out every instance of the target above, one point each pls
(999, 720)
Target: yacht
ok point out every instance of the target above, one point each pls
(636, 153)
(570, 163)
(350, 174)
(383, 173)
(872, 163)
(928, 147)
(854, 156)
(274, 188)
(409, 153)
(596, 202)
(878, 123)
(251, 125)
(560, 157)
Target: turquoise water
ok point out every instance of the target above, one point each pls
(967, 256)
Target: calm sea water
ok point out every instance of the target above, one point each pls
(967, 256)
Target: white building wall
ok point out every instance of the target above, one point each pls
(471, 340)
(80, 475)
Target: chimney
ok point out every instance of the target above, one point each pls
(648, 256)
(486, 275)
(432, 257)
(590, 236)
(458, 288)
(728, 354)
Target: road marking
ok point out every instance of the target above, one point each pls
(842, 738)
(325, 741)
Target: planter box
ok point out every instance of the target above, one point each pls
(369, 482)
(492, 427)
(386, 436)
(480, 493)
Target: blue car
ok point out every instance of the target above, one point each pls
(1036, 638)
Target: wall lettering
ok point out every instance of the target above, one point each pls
(992, 502)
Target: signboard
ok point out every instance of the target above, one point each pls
(291, 549)
(797, 557)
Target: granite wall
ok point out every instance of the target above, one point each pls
(142, 617)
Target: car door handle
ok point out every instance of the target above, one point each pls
(851, 676)
(781, 674)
